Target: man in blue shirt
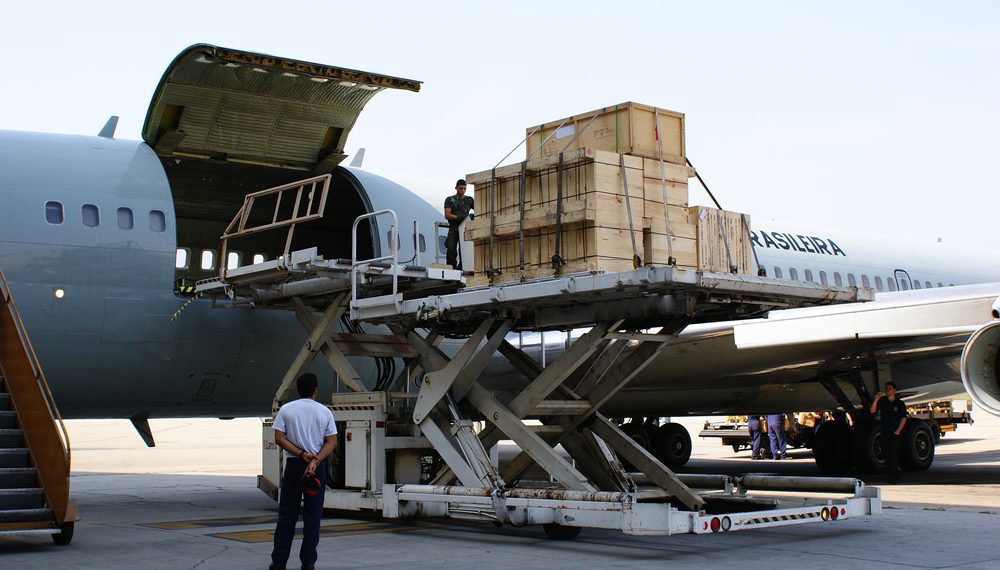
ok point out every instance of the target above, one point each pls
(305, 429)
(893, 414)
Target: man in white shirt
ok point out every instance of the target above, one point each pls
(305, 429)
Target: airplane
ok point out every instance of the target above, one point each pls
(101, 239)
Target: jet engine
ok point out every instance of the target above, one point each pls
(980, 367)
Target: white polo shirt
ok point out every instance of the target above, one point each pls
(305, 422)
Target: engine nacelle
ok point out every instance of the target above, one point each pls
(980, 366)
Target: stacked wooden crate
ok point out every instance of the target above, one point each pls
(597, 223)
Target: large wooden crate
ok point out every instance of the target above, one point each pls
(715, 252)
(628, 128)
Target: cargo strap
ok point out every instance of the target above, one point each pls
(557, 260)
(725, 240)
(520, 220)
(703, 185)
(636, 258)
(761, 270)
(671, 260)
(494, 188)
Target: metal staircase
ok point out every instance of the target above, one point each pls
(34, 444)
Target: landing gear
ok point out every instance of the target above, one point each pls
(868, 454)
(832, 448)
(672, 445)
(916, 450)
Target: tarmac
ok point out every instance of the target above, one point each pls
(192, 502)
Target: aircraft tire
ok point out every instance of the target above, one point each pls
(868, 454)
(916, 450)
(559, 532)
(672, 445)
(638, 432)
(832, 448)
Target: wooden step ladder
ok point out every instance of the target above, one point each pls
(34, 444)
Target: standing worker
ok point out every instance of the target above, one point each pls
(753, 424)
(893, 413)
(305, 429)
(456, 209)
(776, 434)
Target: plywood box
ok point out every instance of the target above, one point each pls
(717, 253)
(628, 128)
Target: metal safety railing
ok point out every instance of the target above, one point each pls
(392, 258)
(306, 202)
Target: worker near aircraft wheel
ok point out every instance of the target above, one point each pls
(753, 425)
(456, 208)
(776, 435)
(305, 429)
(892, 411)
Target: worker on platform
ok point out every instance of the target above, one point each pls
(305, 429)
(893, 414)
(776, 435)
(753, 425)
(456, 208)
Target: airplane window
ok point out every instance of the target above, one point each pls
(258, 258)
(940, 284)
(388, 239)
(441, 248)
(207, 259)
(891, 282)
(851, 280)
(53, 212)
(822, 278)
(125, 219)
(157, 221)
(183, 258)
(777, 272)
(423, 243)
(916, 284)
(91, 216)
(927, 285)
(904, 285)
(865, 282)
(793, 274)
(878, 283)
(232, 260)
(809, 276)
(837, 279)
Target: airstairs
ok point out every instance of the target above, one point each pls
(34, 444)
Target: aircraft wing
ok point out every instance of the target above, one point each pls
(220, 103)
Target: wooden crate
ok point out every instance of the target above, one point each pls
(712, 250)
(628, 128)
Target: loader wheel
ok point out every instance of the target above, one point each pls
(832, 448)
(916, 450)
(557, 531)
(672, 445)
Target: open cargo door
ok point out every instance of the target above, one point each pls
(235, 106)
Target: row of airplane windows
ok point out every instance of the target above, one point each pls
(234, 259)
(890, 283)
(90, 216)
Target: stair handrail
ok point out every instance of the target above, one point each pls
(59, 506)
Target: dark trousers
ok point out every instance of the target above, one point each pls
(755, 436)
(776, 433)
(890, 449)
(288, 514)
(451, 248)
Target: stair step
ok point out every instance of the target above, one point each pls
(8, 419)
(15, 457)
(18, 477)
(25, 515)
(4, 401)
(18, 499)
(11, 438)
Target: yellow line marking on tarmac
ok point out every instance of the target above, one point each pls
(325, 531)
(206, 523)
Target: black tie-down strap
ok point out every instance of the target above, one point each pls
(557, 260)
(491, 271)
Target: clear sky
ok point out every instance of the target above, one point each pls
(873, 116)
